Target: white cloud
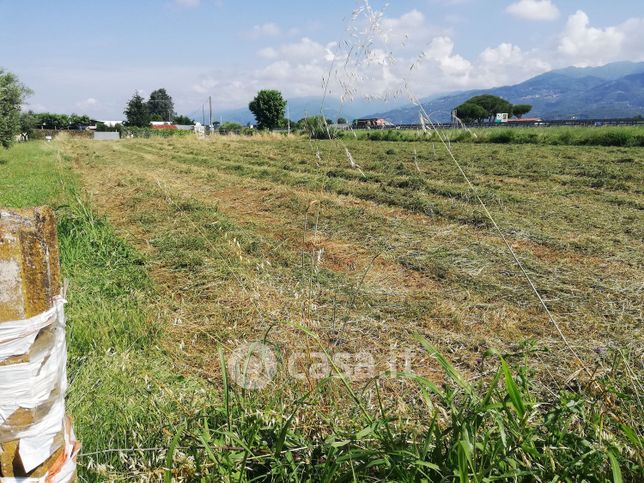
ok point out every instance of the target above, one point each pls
(390, 67)
(268, 29)
(534, 10)
(584, 45)
(268, 53)
(410, 31)
(398, 30)
(506, 63)
(188, 3)
(88, 104)
(306, 50)
(450, 2)
(441, 51)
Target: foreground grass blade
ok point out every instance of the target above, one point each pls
(513, 390)
(169, 459)
(614, 466)
(450, 370)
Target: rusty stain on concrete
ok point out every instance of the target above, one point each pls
(29, 280)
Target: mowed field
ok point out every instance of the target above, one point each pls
(254, 237)
(234, 240)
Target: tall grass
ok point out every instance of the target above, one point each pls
(494, 429)
(148, 132)
(571, 136)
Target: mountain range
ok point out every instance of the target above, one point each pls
(610, 91)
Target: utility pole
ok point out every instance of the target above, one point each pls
(288, 118)
(203, 115)
(210, 105)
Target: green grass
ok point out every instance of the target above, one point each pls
(495, 429)
(557, 136)
(139, 416)
(122, 392)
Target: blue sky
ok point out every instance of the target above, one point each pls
(89, 57)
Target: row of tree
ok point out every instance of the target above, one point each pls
(269, 107)
(485, 108)
(158, 107)
(47, 120)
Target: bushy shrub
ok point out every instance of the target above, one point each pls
(501, 137)
(608, 138)
(147, 132)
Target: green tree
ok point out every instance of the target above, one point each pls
(520, 110)
(136, 112)
(268, 108)
(310, 124)
(77, 120)
(316, 127)
(161, 105)
(493, 105)
(469, 112)
(342, 120)
(183, 120)
(50, 120)
(27, 122)
(12, 96)
(284, 123)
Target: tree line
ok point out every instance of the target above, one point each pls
(268, 107)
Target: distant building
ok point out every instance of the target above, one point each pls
(106, 136)
(372, 123)
(525, 120)
(162, 125)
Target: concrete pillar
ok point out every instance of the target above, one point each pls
(29, 280)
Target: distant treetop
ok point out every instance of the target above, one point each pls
(161, 106)
(268, 108)
(136, 112)
(487, 106)
(12, 95)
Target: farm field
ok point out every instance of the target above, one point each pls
(177, 248)
(392, 252)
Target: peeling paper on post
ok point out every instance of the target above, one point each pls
(37, 385)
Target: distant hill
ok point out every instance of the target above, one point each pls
(310, 106)
(613, 90)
